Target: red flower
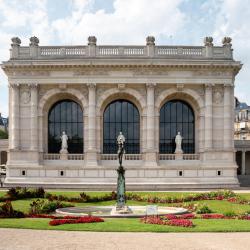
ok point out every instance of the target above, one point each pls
(84, 219)
(187, 216)
(180, 223)
(170, 216)
(212, 216)
(232, 199)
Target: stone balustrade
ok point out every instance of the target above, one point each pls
(172, 157)
(127, 157)
(36, 52)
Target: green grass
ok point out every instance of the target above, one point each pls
(130, 225)
(134, 225)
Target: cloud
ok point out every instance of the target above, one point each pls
(233, 20)
(131, 22)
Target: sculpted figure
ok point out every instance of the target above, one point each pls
(178, 142)
(64, 139)
(120, 142)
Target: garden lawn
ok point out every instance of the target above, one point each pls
(130, 225)
(216, 206)
(134, 224)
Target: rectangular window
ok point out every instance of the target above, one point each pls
(180, 173)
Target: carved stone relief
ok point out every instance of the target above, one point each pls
(25, 96)
(217, 96)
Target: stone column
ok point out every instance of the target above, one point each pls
(150, 150)
(91, 156)
(228, 124)
(34, 117)
(208, 117)
(243, 162)
(15, 115)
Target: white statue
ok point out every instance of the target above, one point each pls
(120, 139)
(178, 141)
(64, 139)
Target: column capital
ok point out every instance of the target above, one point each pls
(33, 85)
(14, 85)
(91, 85)
(209, 86)
(151, 85)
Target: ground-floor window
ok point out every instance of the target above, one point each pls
(67, 116)
(121, 115)
(177, 116)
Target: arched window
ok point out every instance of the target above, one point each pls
(121, 115)
(177, 116)
(65, 116)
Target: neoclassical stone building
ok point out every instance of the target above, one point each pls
(150, 93)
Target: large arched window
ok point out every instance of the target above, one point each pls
(65, 116)
(176, 116)
(121, 115)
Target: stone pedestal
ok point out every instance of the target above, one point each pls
(64, 154)
(179, 156)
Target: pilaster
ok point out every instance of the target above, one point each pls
(150, 158)
(15, 117)
(34, 117)
(91, 153)
(228, 124)
(208, 117)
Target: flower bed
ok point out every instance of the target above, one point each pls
(172, 220)
(182, 216)
(84, 219)
(212, 216)
(180, 223)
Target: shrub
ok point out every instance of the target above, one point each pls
(42, 206)
(204, 209)
(230, 214)
(24, 193)
(7, 211)
(85, 219)
(84, 197)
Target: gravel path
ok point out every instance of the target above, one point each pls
(24, 239)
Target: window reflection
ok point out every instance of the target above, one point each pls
(65, 116)
(121, 115)
(176, 116)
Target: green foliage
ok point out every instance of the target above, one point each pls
(229, 214)
(204, 209)
(7, 211)
(45, 206)
(24, 193)
(3, 135)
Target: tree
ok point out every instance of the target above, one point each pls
(3, 135)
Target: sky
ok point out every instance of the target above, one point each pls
(172, 22)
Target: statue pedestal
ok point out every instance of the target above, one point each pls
(179, 156)
(63, 154)
(121, 210)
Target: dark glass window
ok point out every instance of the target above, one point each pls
(176, 116)
(65, 116)
(121, 115)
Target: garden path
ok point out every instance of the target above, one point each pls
(25, 239)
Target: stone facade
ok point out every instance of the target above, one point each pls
(148, 76)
